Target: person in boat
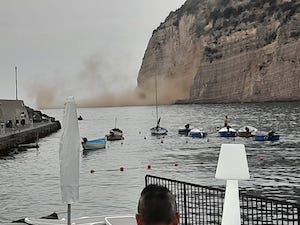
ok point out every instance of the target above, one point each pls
(248, 133)
(271, 133)
(226, 122)
(187, 126)
(157, 206)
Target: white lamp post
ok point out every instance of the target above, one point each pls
(232, 166)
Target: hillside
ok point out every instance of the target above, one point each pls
(226, 51)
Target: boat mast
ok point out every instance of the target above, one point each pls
(16, 77)
(115, 122)
(156, 107)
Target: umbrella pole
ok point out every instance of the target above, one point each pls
(69, 214)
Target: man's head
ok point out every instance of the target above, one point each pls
(157, 206)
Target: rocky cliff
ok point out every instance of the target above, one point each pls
(226, 51)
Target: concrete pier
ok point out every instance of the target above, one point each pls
(11, 138)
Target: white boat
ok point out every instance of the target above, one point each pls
(158, 131)
(115, 134)
(247, 131)
(95, 144)
(197, 133)
(96, 220)
(227, 132)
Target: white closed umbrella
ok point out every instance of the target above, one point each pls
(69, 151)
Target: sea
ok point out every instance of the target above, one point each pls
(30, 183)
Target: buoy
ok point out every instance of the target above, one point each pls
(176, 164)
(140, 132)
(207, 139)
(149, 167)
(121, 168)
(121, 142)
(186, 141)
(261, 158)
(145, 138)
(92, 171)
(161, 141)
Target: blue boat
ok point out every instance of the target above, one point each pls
(197, 133)
(227, 132)
(267, 136)
(93, 144)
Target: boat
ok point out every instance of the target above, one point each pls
(267, 136)
(247, 131)
(185, 130)
(157, 130)
(227, 132)
(93, 144)
(115, 134)
(93, 220)
(197, 133)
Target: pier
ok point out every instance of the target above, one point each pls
(11, 138)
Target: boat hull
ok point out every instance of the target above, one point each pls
(94, 144)
(157, 131)
(225, 132)
(242, 132)
(196, 133)
(266, 137)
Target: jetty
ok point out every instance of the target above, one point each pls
(21, 125)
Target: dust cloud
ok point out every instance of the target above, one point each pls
(103, 83)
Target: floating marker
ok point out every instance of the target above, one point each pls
(149, 167)
(121, 168)
(176, 164)
(261, 158)
(92, 171)
(161, 141)
(145, 138)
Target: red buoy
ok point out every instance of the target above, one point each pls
(121, 168)
(261, 158)
(149, 167)
(92, 171)
(176, 164)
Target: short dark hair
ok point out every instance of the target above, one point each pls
(157, 205)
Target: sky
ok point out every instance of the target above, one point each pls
(74, 47)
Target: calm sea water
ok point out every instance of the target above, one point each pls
(30, 182)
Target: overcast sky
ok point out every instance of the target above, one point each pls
(57, 43)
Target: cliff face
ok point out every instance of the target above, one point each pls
(226, 51)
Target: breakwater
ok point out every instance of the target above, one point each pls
(12, 139)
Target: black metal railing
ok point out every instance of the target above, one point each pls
(201, 205)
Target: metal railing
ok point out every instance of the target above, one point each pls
(201, 205)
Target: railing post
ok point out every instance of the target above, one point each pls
(185, 205)
(298, 215)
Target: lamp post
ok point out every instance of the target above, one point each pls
(232, 166)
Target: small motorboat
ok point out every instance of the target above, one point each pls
(197, 133)
(227, 132)
(247, 131)
(156, 131)
(93, 144)
(115, 135)
(267, 136)
(80, 118)
(185, 130)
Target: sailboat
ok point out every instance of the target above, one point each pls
(115, 134)
(157, 130)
